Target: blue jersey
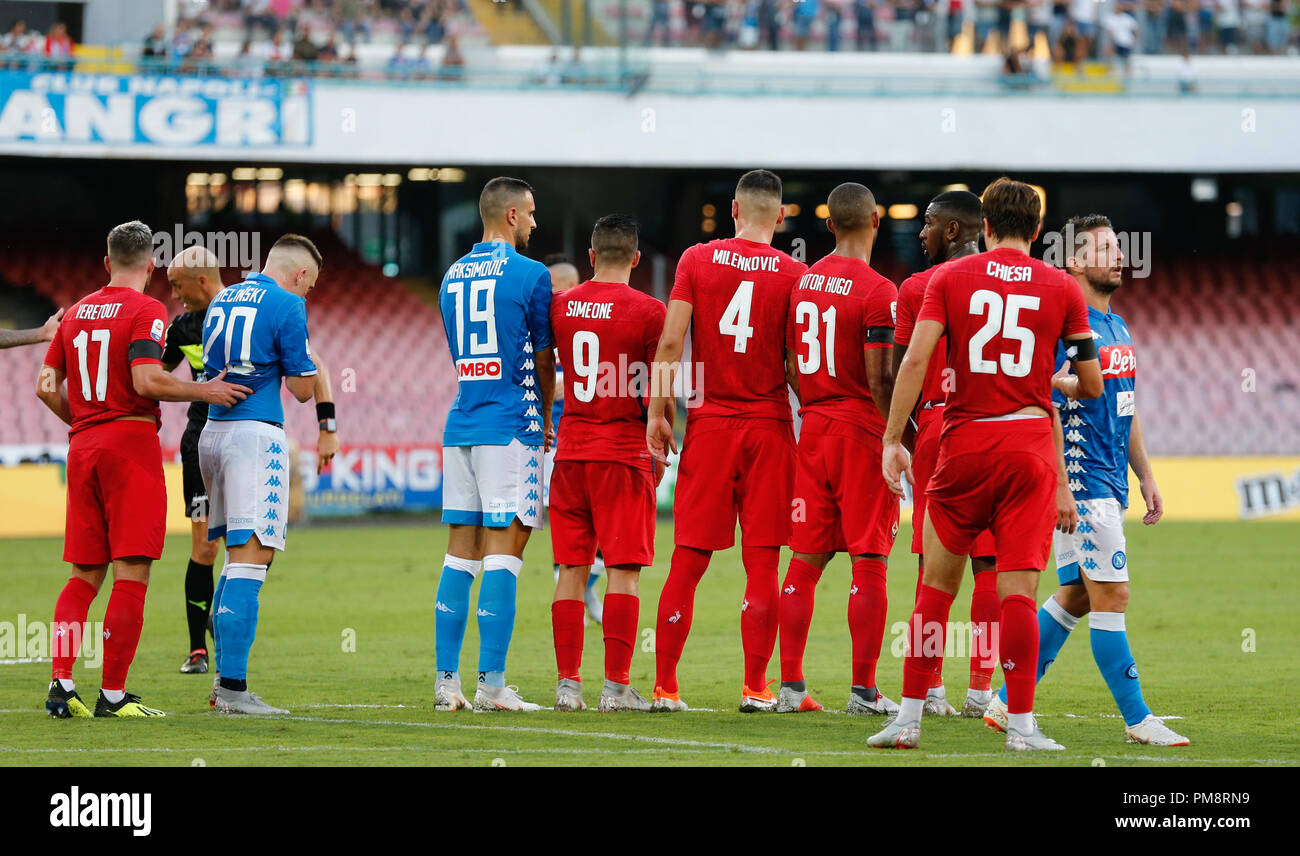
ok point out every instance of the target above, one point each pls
(258, 331)
(1097, 430)
(496, 307)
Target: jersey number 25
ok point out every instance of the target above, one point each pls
(1003, 319)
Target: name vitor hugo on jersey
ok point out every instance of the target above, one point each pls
(840, 308)
(1003, 312)
(740, 291)
(607, 334)
(258, 331)
(98, 341)
(1097, 429)
(496, 308)
(911, 294)
(185, 342)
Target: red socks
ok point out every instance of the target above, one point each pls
(1018, 637)
(760, 613)
(926, 635)
(621, 612)
(70, 612)
(937, 680)
(676, 607)
(795, 612)
(868, 605)
(123, 620)
(985, 612)
(566, 627)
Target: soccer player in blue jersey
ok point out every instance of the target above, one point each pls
(496, 309)
(1103, 439)
(255, 330)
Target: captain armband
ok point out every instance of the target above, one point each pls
(1081, 350)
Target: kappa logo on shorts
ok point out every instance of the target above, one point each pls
(531, 496)
(1119, 560)
(1085, 528)
(270, 531)
(273, 481)
(272, 497)
(272, 515)
(274, 449)
(275, 465)
(1089, 564)
(1087, 546)
(532, 479)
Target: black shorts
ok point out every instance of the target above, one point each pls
(196, 493)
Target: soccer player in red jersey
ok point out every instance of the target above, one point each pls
(840, 325)
(738, 453)
(603, 487)
(951, 231)
(999, 450)
(110, 344)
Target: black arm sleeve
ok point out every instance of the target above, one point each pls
(880, 335)
(143, 349)
(1081, 350)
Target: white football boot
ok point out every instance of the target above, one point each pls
(977, 701)
(489, 699)
(619, 697)
(1035, 739)
(447, 695)
(1152, 731)
(568, 696)
(897, 735)
(995, 715)
(882, 706)
(936, 702)
(246, 703)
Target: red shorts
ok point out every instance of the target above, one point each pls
(735, 467)
(602, 503)
(1000, 476)
(841, 502)
(117, 498)
(929, 424)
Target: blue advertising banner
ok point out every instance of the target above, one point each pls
(374, 478)
(152, 110)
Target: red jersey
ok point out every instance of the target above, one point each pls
(606, 334)
(840, 308)
(739, 291)
(1003, 313)
(910, 296)
(97, 342)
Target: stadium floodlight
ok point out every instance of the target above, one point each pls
(451, 174)
(903, 211)
(823, 211)
(958, 186)
(270, 173)
(421, 173)
(392, 179)
(244, 173)
(217, 178)
(197, 178)
(1205, 189)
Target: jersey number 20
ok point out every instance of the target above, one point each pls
(1003, 319)
(247, 315)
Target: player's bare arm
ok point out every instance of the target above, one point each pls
(152, 381)
(43, 333)
(327, 443)
(301, 388)
(52, 393)
(895, 461)
(880, 377)
(792, 372)
(1086, 382)
(1141, 465)
(668, 355)
(1067, 513)
(544, 360)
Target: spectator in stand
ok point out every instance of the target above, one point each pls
(1038, 19)
(1121, 29)
(453, 63)
(329, 52)
(834, 22)
(714, 25)
(1153, 26)
(1060, 14)
(769, 23)
(955, 19)
(864, 13)
(155, 44)
(304, 49)
(904, 23)
(58, 46)
(1176, 29)
(1186, 74)
(1084, 13)
(1275, 34)
(1002, 24)
(1202, 25)
(802, 17)
(257, 15)
(1069, 45)
(16, 42)
(1254, 19)
(986, 18)
(1229, 23)
(659, 22)
(183, 39)
(199, 59)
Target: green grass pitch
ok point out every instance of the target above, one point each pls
(1212, 623)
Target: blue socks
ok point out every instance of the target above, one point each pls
(1110, 650)
(216, 625)
(451, 612)
(496, 615)
(236, 616)
(1054, 626)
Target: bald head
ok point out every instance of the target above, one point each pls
(563, 276)
(195, 277)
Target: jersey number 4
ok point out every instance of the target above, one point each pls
(735, 320)
(1003, 319)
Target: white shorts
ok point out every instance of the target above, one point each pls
(1096, 549)
(245, 466)
(492, 485)
(548, 468)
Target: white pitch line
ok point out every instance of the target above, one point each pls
(24, 660)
